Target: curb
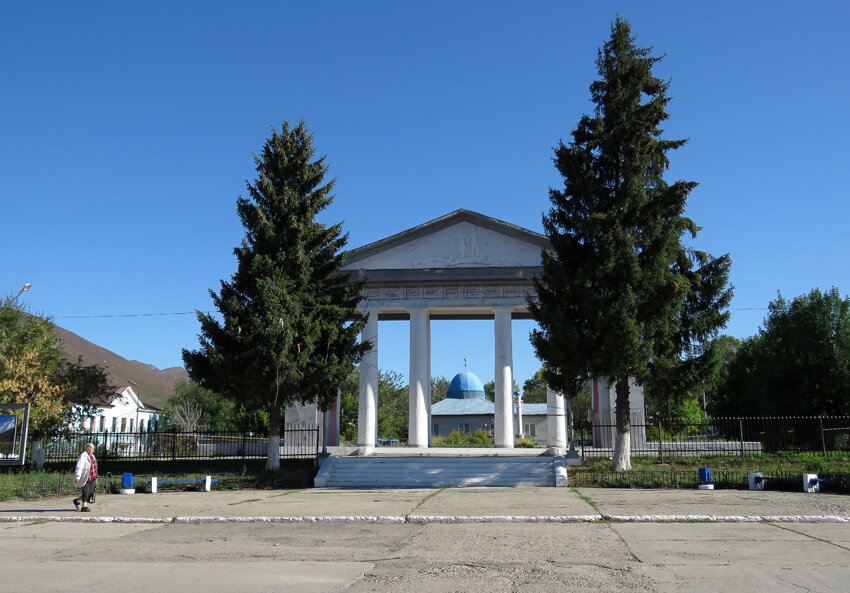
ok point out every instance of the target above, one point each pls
(457, 519)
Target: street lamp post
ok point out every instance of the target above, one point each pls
(25, 288)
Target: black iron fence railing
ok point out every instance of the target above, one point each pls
(296, 442)
(694, 437)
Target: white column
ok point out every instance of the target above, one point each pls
(504, 436)
(555, 420)
(428, 399)
(420, 379)
(367, 409)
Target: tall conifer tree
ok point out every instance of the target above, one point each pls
(620, 296)
(282, 336)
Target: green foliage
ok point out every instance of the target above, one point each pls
(34, 370)
(620, 295)
(393, 406)
(490, 390)
(797, 365)
(534, 392)
(193, 407)
(349, 407)
(458, 438)
(534, 388)
(524, 443)
(282, 336)
(439, 389)
(251, 420)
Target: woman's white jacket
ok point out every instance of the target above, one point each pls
(82, 470)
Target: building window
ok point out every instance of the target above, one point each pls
(141, 426)
(114, 424)
(463, 427)
(102, 424)
(530, 430)
(132, 422)
(123, 425)
(435, 429)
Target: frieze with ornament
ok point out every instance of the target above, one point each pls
(453, 293)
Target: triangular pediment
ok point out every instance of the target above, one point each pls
(461, 239)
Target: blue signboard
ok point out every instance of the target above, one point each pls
(8, 432)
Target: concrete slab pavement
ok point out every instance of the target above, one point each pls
(491, 504)
(520, 553)
(638, 502)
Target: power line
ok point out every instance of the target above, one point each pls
(127, 315)
(211, 312)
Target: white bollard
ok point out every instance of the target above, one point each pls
(153, 484)
(811, 483)
(207, 483)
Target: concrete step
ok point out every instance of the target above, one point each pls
(435, 472)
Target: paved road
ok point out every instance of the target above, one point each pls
(41, 555)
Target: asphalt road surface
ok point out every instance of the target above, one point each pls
(409, 558)
(45, 554)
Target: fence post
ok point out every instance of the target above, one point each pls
(244, 444)
(105, 445)
(173, 444)
(741, 432)
(822, 438)
(660, 446)
(316, 452)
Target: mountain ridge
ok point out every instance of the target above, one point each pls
(153, 385)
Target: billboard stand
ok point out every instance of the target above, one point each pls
(13, 444)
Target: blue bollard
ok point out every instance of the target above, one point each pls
(705, 479)
(127, 484)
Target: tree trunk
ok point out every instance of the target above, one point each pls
(622, 439)
(273, 444)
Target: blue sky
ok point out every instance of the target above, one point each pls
(128, 130)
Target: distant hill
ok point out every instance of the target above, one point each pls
(155, 385)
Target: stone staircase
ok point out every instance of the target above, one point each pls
(440, 472)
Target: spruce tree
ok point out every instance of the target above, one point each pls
(283, 335)
(620, 296)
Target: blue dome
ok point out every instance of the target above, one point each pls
(465, 386)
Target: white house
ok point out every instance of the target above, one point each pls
(121, 410)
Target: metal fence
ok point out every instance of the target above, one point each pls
(296, 442)
(695, 437)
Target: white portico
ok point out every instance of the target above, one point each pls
(461, 266)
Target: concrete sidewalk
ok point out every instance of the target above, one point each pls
(454, 505)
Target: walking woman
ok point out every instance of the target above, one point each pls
(85, 477)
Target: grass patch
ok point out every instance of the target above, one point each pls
(727, 471)
(36, 484)
(28, 485)
(590, 502)
(246, 500)
(426, 499)
(809, 462)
